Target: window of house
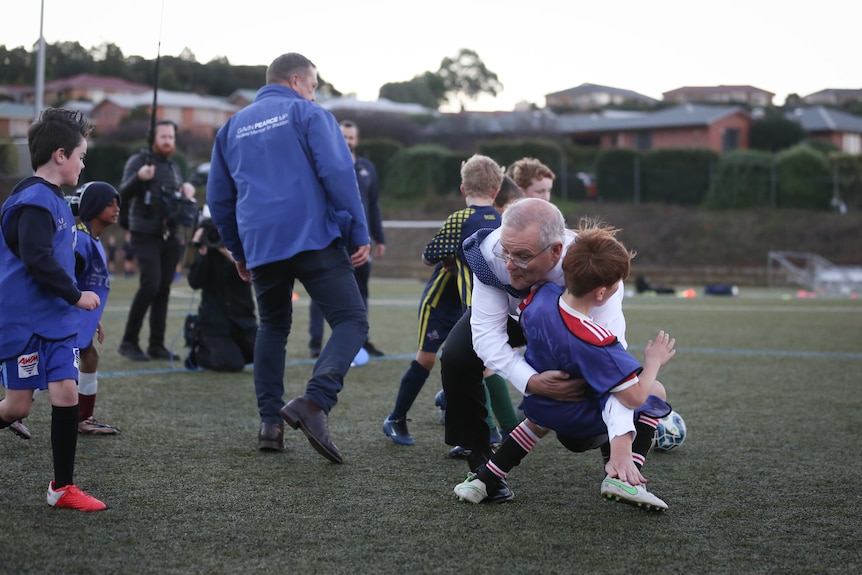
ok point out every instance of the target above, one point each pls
(730, 140)
(852, 143)
(643, 140)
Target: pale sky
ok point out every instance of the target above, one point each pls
(534, 46)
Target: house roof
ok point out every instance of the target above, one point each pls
(379, 105)
(169, 99)
(675, 117)
(13, 90)
(93, 81)
(596, 88)
(493, 122)
(837, 91)
(85, 108)
(608, 120)
(15, 110)
(716, 89)
(823, 119)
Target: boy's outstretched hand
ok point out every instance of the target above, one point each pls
(660, 350)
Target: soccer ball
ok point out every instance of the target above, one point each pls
(670, 432)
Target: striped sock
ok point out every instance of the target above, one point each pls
(515, 448)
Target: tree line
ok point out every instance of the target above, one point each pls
(459, 79)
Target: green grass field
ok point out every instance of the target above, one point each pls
(763, 484)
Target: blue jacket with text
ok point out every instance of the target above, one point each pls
(282, 180)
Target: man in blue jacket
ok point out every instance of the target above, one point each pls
(283, 194)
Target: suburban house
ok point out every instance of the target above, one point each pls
(719, 128)
(842, 130)
(83, 87)
(200, 115)
(15, 93)
(592, 96)
(722, 94)
(107, 101)
(15, 119)
(241, 98)
(833, 97)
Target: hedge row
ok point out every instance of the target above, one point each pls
(801, 177)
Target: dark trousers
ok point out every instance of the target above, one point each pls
(315, 316)
(157, 264)
(461, 371)
(225, 352)
(327, 276)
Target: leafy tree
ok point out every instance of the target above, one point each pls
(774, 133)
(17, 66)
(615, 174)
(466, 77)
(426, 89)
(793, 100)
(804, 179)
(423, 171)
(743, 180)
(66, 59)
(109, 60)
(508, 151)
(678, 176)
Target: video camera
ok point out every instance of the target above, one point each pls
(210, 236)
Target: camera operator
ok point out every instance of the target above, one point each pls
(226, 326)
(158, 203)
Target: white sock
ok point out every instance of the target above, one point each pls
(87, 383)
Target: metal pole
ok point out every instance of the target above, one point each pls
(564, 172)
(773, 191)
(40, 67)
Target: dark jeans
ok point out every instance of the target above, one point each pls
(315, 316)
(157, 264)
(461, 371)
(327, 276)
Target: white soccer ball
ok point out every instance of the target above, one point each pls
(670, 432)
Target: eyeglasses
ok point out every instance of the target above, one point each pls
(518, 261)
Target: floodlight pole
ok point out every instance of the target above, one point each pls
(40, 67)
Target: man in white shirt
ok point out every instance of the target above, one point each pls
(524, 252)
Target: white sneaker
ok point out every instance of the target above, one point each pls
(623, 491)
(472, 489)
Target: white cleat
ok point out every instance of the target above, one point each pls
(472, 490)
(616, 490)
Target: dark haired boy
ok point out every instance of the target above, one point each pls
(41, 303)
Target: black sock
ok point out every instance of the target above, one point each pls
(411, 384)
(645, 429)
(478, 458)
(606, 451)
(64, 443)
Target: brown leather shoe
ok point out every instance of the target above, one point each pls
(270, 437)
(302, 413)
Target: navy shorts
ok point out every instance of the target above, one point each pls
(439, 311)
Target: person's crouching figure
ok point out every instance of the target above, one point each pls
(223, 333)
